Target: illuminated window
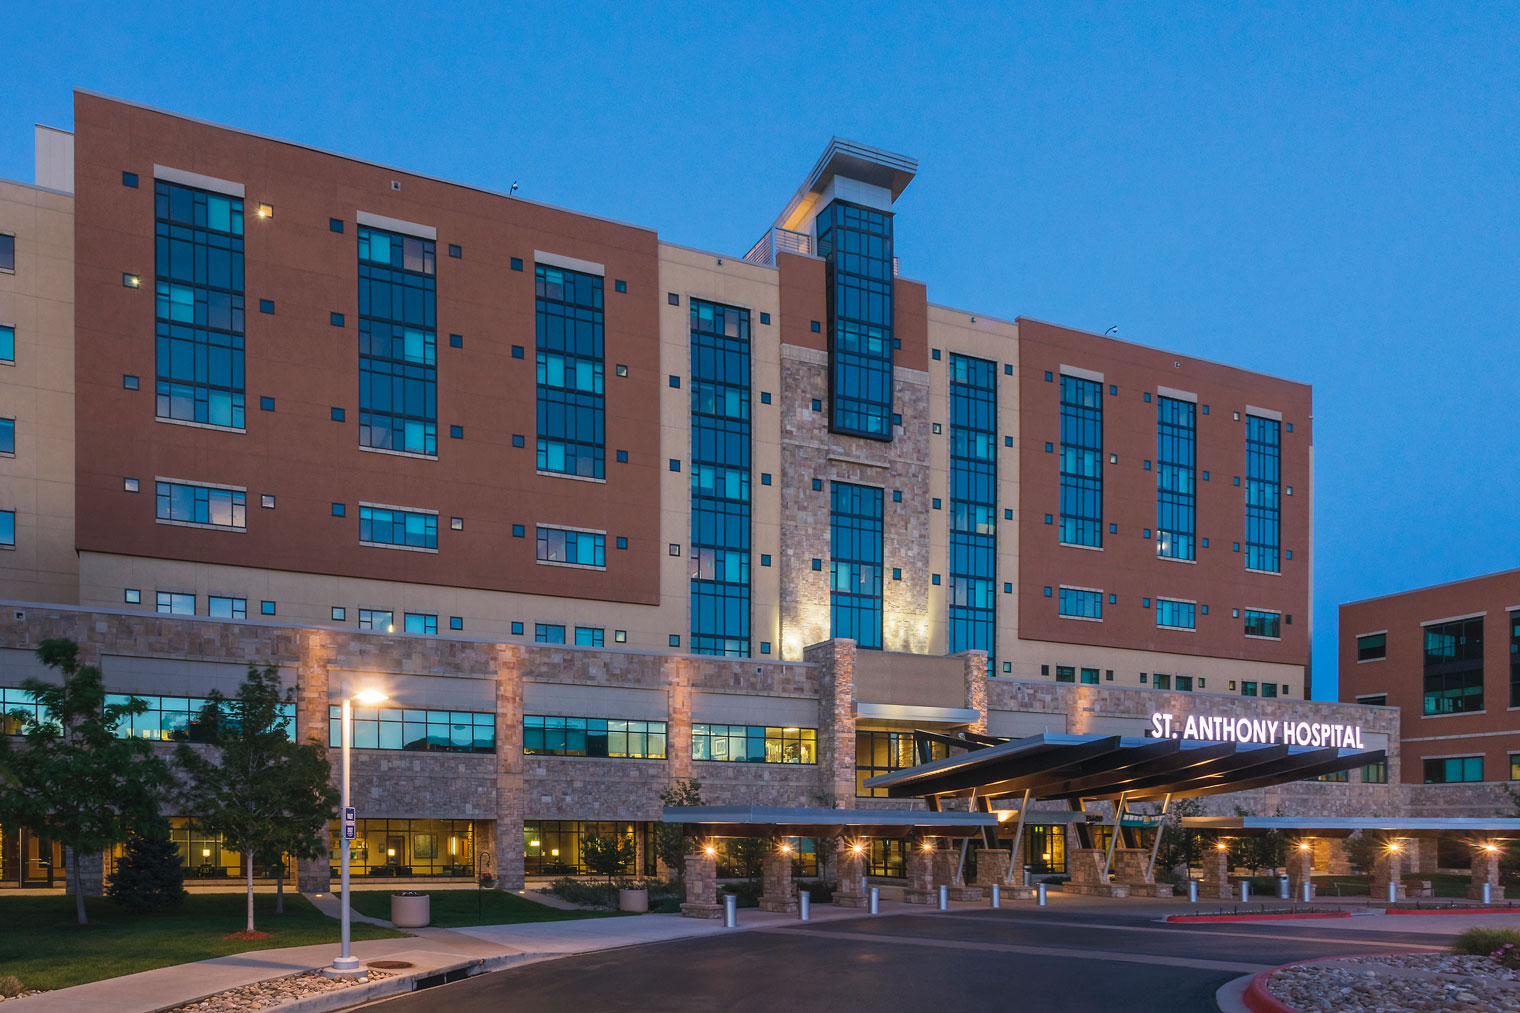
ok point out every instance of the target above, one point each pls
(856, 246)
(571, 438)
(753, 743)
(398, 374)
(601, 737)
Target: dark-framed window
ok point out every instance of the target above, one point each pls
(1178, 615)
(753, 743)
(1514, 659)
(420, 622)
(1260, 623)
(183, 503)
(421, 730)
(590, 636)
(198, 289)
(177, 718)
(720, 482)
(571, 406)
(7, 251)
(855, 536)
(578, 548)
(1176, 491)
(1066, 673)
(224, 607)
(856, 246)
(394, 527)
(398, 369)
(1081, 603)
(1375, 773)
(1045, 848)
(610, 738)
(553, 847)
(1371, 647)
(1263, 494)
(1081, 461)
(1453, 769)
(548, 633)
(878, 752)
(973, 506)
(1454, 667)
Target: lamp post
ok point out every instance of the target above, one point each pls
(345, 963)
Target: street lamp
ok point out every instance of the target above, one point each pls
(345, 963)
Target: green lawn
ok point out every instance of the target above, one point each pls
(44, 947)
(455, 908)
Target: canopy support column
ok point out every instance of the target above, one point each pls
(1018, 835)
(1156, 844)
(1113, 838)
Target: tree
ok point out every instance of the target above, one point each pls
(1362, 852)
(670, 845)
(607, 855)
(149, 877)
(748, 854)
(75, 780)
(261, 791)
(1260, 851)
(1179, 846)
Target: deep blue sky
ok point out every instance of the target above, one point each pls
(1331, 196)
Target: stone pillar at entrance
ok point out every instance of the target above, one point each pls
(1216, 874)
(1388, 868)
(920, 885)
(851, 888)
(947, 872)
(1485, 869)
(779, 894)
(1300, 869)
(701, 888)
(1132, 867)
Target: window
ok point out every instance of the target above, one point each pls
(1185, 683)
(1163, 681)
(420, 622)
(553, 847)
(398, 373)
(378, 620)
(421, 730)
(178, 718)
(611, 738)
(1263, 513)
(571, 548)
(1248, 689)
(1263, 624)
(266, 608)
(1045, 848)
(589, 636)
(883, 752)
(1372, 647)
(392, 526)
(855, 538)
(7, 252)
(1337, 775)
(1176, 441)
(1081, 603)
(546, 633)
(8, 527)
(720, 482)
(1451, 769)
(973, 506)
(181, 503)
(174, 603)
(753, 743)
(7, 436)
(1090, 677)
(571, 439)
(7, 343)
(1454, 667)
(1066, 673)
(856, 246)
(1376, 700)
(1377, 773)
(1178, 615)
(219, 607)
(1269, 689)
(199, 306)
(1081, 461)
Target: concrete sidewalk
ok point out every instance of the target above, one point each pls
(148, 991)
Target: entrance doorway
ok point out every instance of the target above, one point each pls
(28, 861)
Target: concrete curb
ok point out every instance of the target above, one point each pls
(359, 995)
(1231, 995)
(1474, 910)
(1259, 918)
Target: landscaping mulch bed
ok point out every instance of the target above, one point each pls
(274, 992)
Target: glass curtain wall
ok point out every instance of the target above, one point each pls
(973, 506)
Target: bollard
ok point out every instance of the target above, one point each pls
(1488, 893)
(1192, 891)
(944, 898)
(1283, 890)
(1026, 876)
(730, 911)
(805, 905)
(1393, 891)
(1041, 889)
(1245, 891)
(876, 900)
(1308, 892)
(997, 896)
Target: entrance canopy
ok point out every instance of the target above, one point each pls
(1058, 766)
(782, 821)
(1489, 828)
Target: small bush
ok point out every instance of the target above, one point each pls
(668, 906)
(578, 891)
(10, 986)
(1501, 943)
(819, 892)
(747, 892)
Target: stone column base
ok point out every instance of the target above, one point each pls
(1475, 892)
(698, 910)
(781, 905)
(965, 893)
(1097, 889)
(920, 896)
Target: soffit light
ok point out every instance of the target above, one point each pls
(370, 696)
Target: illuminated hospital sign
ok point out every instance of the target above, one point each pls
(1217, 728)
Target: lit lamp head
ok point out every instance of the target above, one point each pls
(205, 852)
(370, 696)
(1222, 846)
(1394, 847)
(786, 849)
(1489, 846)
(1305, 846)
(928, 845)
(857, 847)
(710, 850)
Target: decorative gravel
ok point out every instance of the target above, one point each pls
(274, 992)
(1403, 983)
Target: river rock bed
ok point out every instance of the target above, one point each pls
(1399, 983)
(274, 992)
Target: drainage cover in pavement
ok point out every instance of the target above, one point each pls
(390, 965)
